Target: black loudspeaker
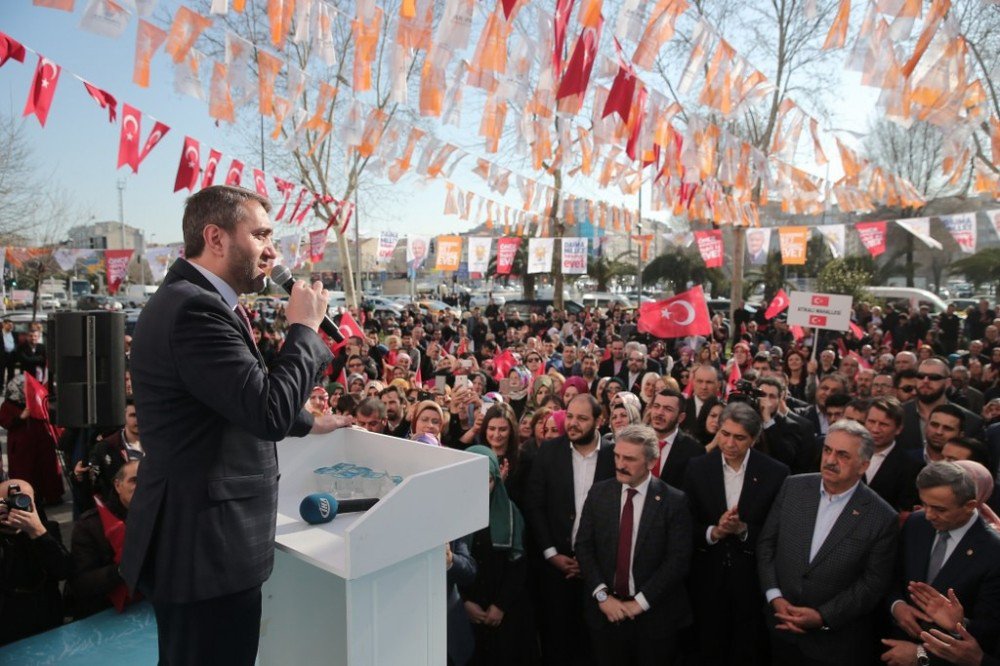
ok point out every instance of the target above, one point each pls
(87, 368)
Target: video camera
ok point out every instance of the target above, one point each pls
(748, 393)
(16, 499)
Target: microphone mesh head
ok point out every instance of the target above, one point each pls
(280, 275)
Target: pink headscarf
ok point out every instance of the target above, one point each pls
(579, 383)
(983, 481)
(559, 417)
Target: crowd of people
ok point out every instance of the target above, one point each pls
(755, 495)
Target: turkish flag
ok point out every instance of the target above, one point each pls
(286, 188)
(502, 363)
(564, 8)
(104, 98)
(210, 167)
(817, 320)
(797, 332)
(622, 88)
(856, 330)
(43, 88)
(350, 328)
(778, 305)
(190, 166)
(235, 173)
(128, 143)
(10, 48)
(735, 375)
(159, 131)
(260, 183)
(581, 63)
(684, 314)
(821, 301)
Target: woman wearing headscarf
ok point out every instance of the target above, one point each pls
(31, 445)
(983, 480)
(497, 601)
(519, 381)
(647, 388)
(541, 388)
(624, 411)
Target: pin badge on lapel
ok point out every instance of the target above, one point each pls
(969, 552)
(855, 512)
(657, 498)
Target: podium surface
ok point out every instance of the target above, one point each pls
(368, 588)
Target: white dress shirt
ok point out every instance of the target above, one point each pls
(732, 479)
(876, 462)
(638, 502)
(665, 450)
(584, 469)
(228, 294)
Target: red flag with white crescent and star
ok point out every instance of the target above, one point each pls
(10, 48)
(286, 188)
(684, 314)
(128, 143)
(43, 88)
(210, 168)
(235, 173)
(778, 305)
(190, 166)
(349, 327)
(260, 183)
(104, 98)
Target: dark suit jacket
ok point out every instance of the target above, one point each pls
(549, 506)
(29, 358)
(786, 442)
(811, 414)
(662, 554)
(972, 570)
(607, 369)
(684, 449)
(896, 479)
(847, 578)
(913, 436)
(201, 523)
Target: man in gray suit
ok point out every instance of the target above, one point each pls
(200, 538)
(825, 556)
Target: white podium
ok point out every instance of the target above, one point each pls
(368, 589)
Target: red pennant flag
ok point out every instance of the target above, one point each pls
(297, 219)
(10, 48)
(502, 363)
(343, 377)
(778, 305)
(36, 398)
(116, 264)
(317, 245)
(735, 375)
(235, 173)
(128, 143)
(213, 163)
(564, 9)
(349, 327)
(159, 131)
(577, 76)
(298, 204)
(43, 88)
(684, 314)
(622, 88)
(114, 532)
(873, 236)
(190, 166)
(635, 122)
(286, 188)
(508, 7)
(887, 339)
(260, 183)
(104, 98)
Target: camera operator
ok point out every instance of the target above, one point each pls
(782, 439)
(32, 562)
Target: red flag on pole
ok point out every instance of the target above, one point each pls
(778, 305)
(684, 314)
(190, 166)
(210, 167)
(43, 89)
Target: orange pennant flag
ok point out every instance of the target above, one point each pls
(491, 127)
(365, 42)
(837, 37)
(373, 133)
(279, 15)
(184, 31)
(659, 31)
(432, 86)
(279, 108)
(327, 94)
(148, 38)
(590, 13)
(413, 30)
(220, 101)
(268, 67)
(937, 13)
(63, 5)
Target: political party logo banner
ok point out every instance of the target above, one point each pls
(793, 245)
(290, 251)
(828, 311)
(758, 246)
(317, 245)
(921, 228)
(540, 252)
(962, 228)
(506, 252)
(117, 268)
(835, 236)
(387, 242)
(710, 247)
(159, 260)
(574, 256)
(449, 253)
(479, 254)
(873, 236)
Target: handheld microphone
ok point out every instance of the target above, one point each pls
(321, 508)
(283, 277)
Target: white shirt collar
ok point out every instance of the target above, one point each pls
(958, 533)
(640, 489)
(841, 497)
(742, 468)
(228, 294)
(884, 453)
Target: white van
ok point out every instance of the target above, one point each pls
(915, 297)
(338, 299)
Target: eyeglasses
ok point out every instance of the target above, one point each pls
(931, 376)
(907, 389)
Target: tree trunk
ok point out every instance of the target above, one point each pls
(556, 225)
(909, 260)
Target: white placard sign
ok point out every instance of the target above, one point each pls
(829, 311)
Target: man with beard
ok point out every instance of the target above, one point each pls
(944, 425)
(932, 378)
(588, 370)
(564, 470)
(614, 366)
(200, 540)
(394, 400)
(676, 448)
(863, 382)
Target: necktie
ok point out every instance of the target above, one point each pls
(624, 563)
(937, 556)
(241, 311)
(659, 463)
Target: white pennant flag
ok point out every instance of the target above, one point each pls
(187, 76)
(540, 251)
(387, 241)
(66, 257)
(574, 256)
(962, 228)
(479, 254)
(921, 228)
(107, 18)
(159, 260)
(834, 235)
(994, 218)
(290, 251)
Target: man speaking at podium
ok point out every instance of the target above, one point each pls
(200, 539)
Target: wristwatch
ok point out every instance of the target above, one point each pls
(601, 596)
(922, 658)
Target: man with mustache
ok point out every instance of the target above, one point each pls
(825, 556)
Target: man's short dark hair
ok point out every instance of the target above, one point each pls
(371, 406)
(393, 388)
(776, 382)
(346, 403)
(221, 205)
(595, 405)
(838, 400)
(671, 393)
(977, 450)
(890, 407)
(951, 410)
(909, 373)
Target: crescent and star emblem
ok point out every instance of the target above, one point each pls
(690, 314)
(55, 72)
(125, 123)
(193, 158)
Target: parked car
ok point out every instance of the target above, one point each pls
(440, 307)
(912, 297)
(49, 302)
(97, 302)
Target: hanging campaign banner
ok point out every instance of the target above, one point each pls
(417, 248)
(835, 236)
(317, 245)
(449, 253)
(93, 264)
(574, 256)
(872, 236)
(66, 257)
(387, 242)
(506, 251)
(290, 251)
(159, 260)
(962, 228)
(479, 254)
(117, 263)
(921, 228)
(540, 251)
(994, 218)
(793, 245)
(758, 246)
(710, 247)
